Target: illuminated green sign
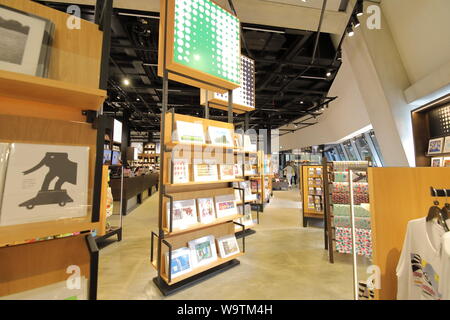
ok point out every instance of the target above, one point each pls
(206, 38)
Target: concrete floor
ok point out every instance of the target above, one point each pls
(283, 261)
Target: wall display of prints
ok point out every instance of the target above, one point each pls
(437, 162)
(446, 145)
(205, 172)
(226, 205)
(181, 262)
(227, 172)
(435, 146)
(220, 136)
(25, 42)
(184, 214)
(203, 250)
(189, 132)
(206, 210)
(180, 171)
(228, 246)
(44, 183)
(55, 291)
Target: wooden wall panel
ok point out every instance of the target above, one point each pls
(398, 195)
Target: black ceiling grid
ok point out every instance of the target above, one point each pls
(281, 55)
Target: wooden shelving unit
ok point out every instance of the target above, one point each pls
(311, 179)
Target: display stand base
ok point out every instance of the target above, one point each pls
(109, 234)
(246, 233)
(167, 290)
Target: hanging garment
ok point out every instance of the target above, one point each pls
(423, 269)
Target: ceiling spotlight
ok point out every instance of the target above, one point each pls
(350, 31)
(339, 55)
(301, 102)
(126, 82)
(329, 74)
(355, 22)
(137, 99)
(359, 8)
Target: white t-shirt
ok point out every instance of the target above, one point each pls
(423, 268)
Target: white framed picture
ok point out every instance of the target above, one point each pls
(189, 132)
(227, 172)
(181, 262)
(226, 205)
(25, 42)
(437, 162)
(436, 146)
(206, 210)
(180, 171)
(447, 145)
(44, 183)
(220, 136)
(205, 172)
(184, 214)
(228, 246)
(203, 251)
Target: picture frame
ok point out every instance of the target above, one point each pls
(220, 136)
(437, 162)
(446, 145)
(45, 183)
(28, 38)
(206, 210)
(180, 171)
(181, 262)
(446, 162)
(227, 172)
(226, 205)
(435, 146)
(184, 214)
(228, 246)
(203, 250)
(205, 172)
(189, 132)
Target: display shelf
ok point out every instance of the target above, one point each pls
(200, 226)
(175, 144)
(196, 183)
(26, 87)
(201, 269)
(306, 175)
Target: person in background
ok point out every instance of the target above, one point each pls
(289, 172)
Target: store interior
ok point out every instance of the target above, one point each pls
(224, 150)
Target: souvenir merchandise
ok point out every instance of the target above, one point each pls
(189, 132)
(205, 172)
(29, 194)
(226, 205)
(220, 136)
(181, 262)
(184, 214)
(227, 172)
(180, 171)
(436, 146)
(228, 246)
(203, 251)
(363, 241)
(206, 211)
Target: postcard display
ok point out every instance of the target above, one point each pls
(49, 157)
(199, 46)
(312, 193)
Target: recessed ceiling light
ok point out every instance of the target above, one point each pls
(126, 81)
(329, 74)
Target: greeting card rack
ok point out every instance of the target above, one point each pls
(312, 193)
(37, 258)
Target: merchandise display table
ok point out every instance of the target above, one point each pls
(135, 190)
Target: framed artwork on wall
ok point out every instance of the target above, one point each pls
(203, 250)
(228, 246)
(436, 146)
(25, 42)
(44, 183)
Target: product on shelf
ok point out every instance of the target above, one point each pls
(220, 136)
(237, 170)
(227, 172)
(206, 211)
(180, 171)
(435, 146)
(189, 132)
(226, 205)
(203, 250)
(181, 262)
(184, 214)
(228, 246)
(205, 172)
(45, 182)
